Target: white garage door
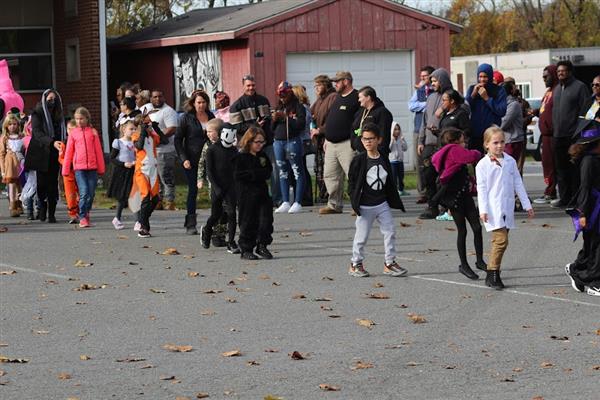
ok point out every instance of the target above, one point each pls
(391, 73)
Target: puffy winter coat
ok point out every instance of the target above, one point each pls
(84, 151)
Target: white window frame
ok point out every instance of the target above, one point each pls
(521, 85)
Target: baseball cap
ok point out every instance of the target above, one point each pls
(340, 75)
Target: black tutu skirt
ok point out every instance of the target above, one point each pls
(120, 183)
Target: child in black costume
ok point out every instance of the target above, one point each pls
(219, 168)
(251, 170)
(584, 209)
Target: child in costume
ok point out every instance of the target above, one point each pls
(12, 156)
(219, 168)
(84, 155)
(145, 189)
(69, 182)
(498, 180)
(251, 170)
(584, 209)
(122, 156)
(451, 163)
(28, 194)
(373, 195)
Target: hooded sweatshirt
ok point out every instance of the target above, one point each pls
(397, 145)
(570, 98)
(450, 159)
(434, 101)
(486, 113)
(545, 122)
(512, 122)
(378, 115)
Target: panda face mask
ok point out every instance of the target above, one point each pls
(228, 136)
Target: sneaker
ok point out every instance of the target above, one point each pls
(358, 271)
(137, 227)
(263, 252)
(394, 269)
(117, 224)
(233, 248)
(578, 288)
(468, 272)
(543, 200)
(558, 203)
(593, 291)
(204, 237)
(283, 208)
(444, 217)
(144, 233)
(295, 208)
(430, 213)
(328, 210)
(248, 255)
(72, 221)
(84, 223)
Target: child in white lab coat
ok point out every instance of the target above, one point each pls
(498, 180)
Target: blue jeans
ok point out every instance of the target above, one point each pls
(398, 174)
(86, 183)
(293, 148)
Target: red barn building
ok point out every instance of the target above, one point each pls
(381, 42)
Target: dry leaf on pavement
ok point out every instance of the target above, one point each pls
(298, 296)
(365, 322)
(171, 251)
(416, 318)
(153, 290)
(252, 362)
(82, 264)
(64, 376)
(362, 365)
(378, 296)
(201, 395)
(130, 359)
(378, 285)
(296, 355)
(322, 299)
(564, 338)
(329, 388)
(595, 367)
(193, 274)
(212, 291)
(166, 377)
(13, 360)
(327, 278)
(305, 233)
(9, 272)
(176, 348)
(546, 364)
(232, 353)
(207, 312)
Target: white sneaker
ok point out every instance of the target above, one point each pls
(295, 208)
(117, 224)
(283, 208)
(137, 227)
(593, 291)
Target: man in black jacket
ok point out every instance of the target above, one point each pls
(569, 97)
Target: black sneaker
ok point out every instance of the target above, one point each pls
(144, 233)
(578, 288)
(263, 252)
(248, 255)
(430, 213)
(233, 248)
(468, 272)
(204, 238)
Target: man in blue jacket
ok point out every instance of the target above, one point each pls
(488, 105)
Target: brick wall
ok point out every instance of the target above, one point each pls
(85, 26)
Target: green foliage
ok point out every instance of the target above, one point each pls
(125, 16)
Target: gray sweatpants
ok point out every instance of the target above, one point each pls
(368, 214)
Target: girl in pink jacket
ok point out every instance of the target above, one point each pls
(84, 155)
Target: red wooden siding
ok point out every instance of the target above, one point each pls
(348, 25)
(235, 64)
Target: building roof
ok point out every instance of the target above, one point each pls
(226, 23)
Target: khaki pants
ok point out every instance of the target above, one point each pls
(499, 245)
(337, 163)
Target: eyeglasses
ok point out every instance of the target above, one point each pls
(595, 84)
(258, 141)
(368, 139)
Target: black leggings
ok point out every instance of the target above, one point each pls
(220, 206)
(467, 212)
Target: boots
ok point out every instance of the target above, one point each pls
(468, 272)
(51, 212)
(263, 252)
(42, 212)
(190, 224)
(493, 280)
(205, 237)
(30, 215)
(14, 212)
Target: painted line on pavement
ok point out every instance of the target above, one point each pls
(3, 265)
(542, 296)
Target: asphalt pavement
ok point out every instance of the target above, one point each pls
(103, 314)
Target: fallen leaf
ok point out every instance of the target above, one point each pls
(131, 359)
(2, 373)
(201, 395)
(41, 332)
(378, 296)
(84, 357)
(87, 286)
(193, 274)
(212, 291)
(595, 367)
(3, 229)
(378, 285)
(231, 300)
(122, 237)
(296, 355)
(271, 351)
(329, 388)
(322, 299)
(64, 376)
(517, 369)
(3, 344)
(189, 256)
(182, 398)
(82, 264)
(133, 263)
(402, 306)
(298, 296)
(326, 278)
(567, 370)
(73, 398)
(565, 338)
(416, 318)
(507, 379)
(362, 365)
(450, 229)
(365, 322)
(232, 353)
(252, 362)
(324, 308)
(412, 364)
(305, 233)
(334, 316)
(207, 312)
(147, 366)
(176, 348)
(271, 397)
(231, 283)
(598, 332)
(228, 392)
(546, 364)
(13, 360)
(276, 284)
(9, 272)
(547, 226)
(153, 290)
(404, 225)
(170, 251)
(166, 377)
(537, 398)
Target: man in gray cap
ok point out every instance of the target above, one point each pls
(338, 149)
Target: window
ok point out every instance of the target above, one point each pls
(72, 59)
(70, 8)
(28, 52)
(525, 89)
